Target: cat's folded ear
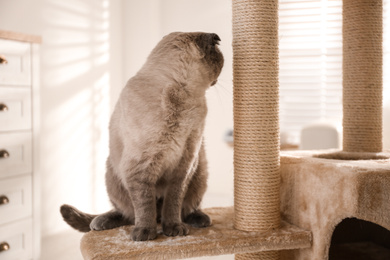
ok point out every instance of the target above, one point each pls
(196, 51)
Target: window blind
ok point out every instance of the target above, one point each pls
(310, 76)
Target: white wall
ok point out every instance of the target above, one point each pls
(141, 32)
(81, 68)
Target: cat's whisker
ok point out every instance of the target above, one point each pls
(219, 96)
(222, 84)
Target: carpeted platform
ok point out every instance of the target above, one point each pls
(220, 238)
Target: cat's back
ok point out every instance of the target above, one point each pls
(154, 114)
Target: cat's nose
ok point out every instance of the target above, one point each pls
(214, 38)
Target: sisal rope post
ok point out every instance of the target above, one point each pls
(256, 121)
(362, 75)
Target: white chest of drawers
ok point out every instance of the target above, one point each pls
(19, 147)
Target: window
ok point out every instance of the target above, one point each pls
(310, 34)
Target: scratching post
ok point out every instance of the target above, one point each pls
(256, 124)
(362, 75)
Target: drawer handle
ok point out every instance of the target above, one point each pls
(3, 107)
(4, 200)
(4, 246)
(3, 60)
(4, 154)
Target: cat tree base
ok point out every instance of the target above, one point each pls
(219, 239)
(318, 193)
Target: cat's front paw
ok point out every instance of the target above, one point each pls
(143, 234)
(198, 219)
(175, 229)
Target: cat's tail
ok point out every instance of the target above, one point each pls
(76, 219)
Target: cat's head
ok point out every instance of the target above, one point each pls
(198, 51)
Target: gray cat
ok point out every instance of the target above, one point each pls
(157, 168)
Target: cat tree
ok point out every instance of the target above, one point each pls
(312, 190)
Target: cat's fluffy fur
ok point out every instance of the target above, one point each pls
(157, 170)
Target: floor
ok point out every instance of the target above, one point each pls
(65, 245)
(62, 246)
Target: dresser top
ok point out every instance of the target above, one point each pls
(8, 35)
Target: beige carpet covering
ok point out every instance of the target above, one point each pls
(317, 194)
(221, 238)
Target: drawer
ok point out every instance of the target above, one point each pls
(16, 70)
(15, 108)
(15, 199)
(18, 236)
(16, 154)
